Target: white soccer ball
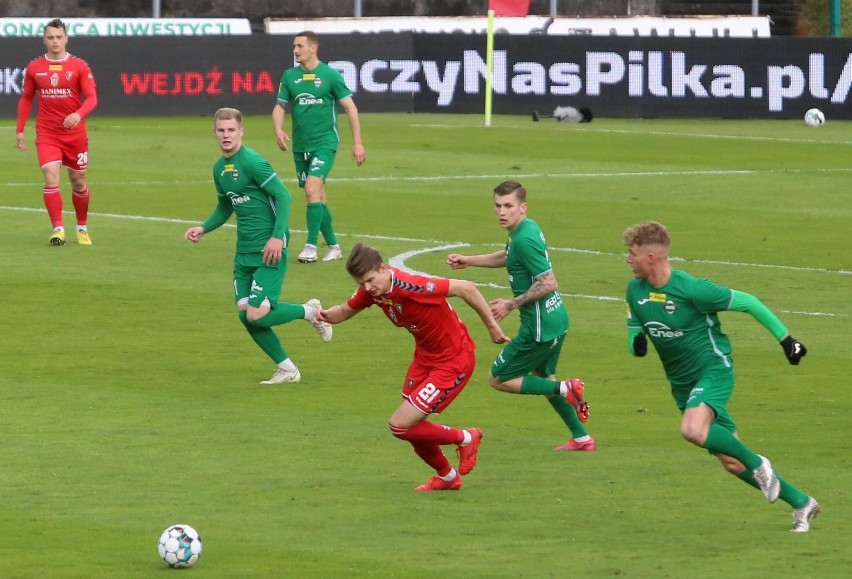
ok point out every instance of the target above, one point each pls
(814, 118)
(179, 546)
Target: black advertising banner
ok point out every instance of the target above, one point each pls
(406, 72)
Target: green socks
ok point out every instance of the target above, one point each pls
(789, 494)
(538, 385)
(266, 339)
(280, 314)
(544, 387)
(314, 213)
(723, 441)
(327, 227)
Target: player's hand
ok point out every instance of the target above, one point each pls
(359, 155)
(281, 139)
(273, 251)
(793, 349)
(457, 261)
(498, 336)
(72, 120)
(640, 345)
(20, 143)
(501, 308)
(194, 234)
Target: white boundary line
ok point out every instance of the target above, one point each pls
(422, 178)
(399, 260)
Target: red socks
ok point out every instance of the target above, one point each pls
(53, 203)
(81, 206)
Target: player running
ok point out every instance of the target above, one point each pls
(527, 365)
(444, 356)
(65, 89)
(680, 314)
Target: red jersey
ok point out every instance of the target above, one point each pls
(419, 304)
(61, 86)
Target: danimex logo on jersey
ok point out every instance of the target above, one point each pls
(660, 330)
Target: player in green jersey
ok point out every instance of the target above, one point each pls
(680, 315)
(313, 90)
(247, 186)
(527, 365)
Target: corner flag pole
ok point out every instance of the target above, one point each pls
(489, 53)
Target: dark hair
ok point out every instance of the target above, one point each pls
(56, 23)
(362, 259)
(311, 36)
(509, 187)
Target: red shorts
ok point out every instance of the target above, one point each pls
(71, 149)
(431, 388)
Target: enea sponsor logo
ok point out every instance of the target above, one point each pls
(308, 99)
(660, 330)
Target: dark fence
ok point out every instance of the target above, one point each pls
(614, 76)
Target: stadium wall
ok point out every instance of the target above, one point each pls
(411, 72)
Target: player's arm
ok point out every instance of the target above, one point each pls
(544, 285)
(745, 302)
(221, 212)
(90, 95)
(467, 291)
(218, 218)
(278, 115)
(337, 314)
(280, 195)
(359, 155)
(25, 106)
(459, 261)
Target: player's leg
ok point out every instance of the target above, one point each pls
(789, 493)
(312, 219)
(264, 311)
(428, 392)
(706, 423)
(327, 156)
(76, 158)
(520, 368)
(265, 338)
(50, 160)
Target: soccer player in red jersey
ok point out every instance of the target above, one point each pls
(66, 93)
(444, 356)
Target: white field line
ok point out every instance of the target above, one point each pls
(399, 260)
(488, 176)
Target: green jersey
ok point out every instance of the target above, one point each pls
(247, 185)
(313, 96)
(527, 260)
(682, 321)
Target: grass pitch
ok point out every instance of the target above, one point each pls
(130, 396)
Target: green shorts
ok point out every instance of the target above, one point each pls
(523, 355)
(713, 388)
(314, 164)
(256, 282)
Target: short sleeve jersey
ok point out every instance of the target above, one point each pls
(681, 318)
(419, 304)
(526, 260)
(240, 180)
(59, 86)
(313, 97)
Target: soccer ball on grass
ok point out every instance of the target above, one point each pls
(179, 546)
(814, 118)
